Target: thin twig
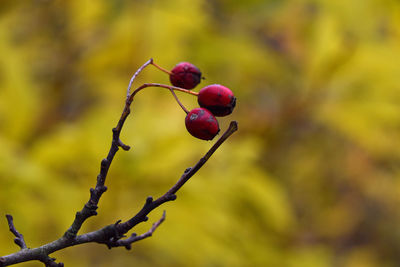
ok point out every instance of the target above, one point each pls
(19, 238)
(179, 102)
(90, 207)
(134, 238)
(148, 62)
(145, 85)
(114, 232)
(150, 205)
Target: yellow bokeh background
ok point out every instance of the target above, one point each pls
(312, 177)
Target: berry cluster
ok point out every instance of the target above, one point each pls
(214, 100)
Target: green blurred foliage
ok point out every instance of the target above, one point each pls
(312, 178)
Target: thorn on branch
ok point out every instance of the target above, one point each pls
(19, 238)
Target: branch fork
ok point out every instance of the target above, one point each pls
(112, 235)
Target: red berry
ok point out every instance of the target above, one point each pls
(218, 99)
(185, 75)
(202, 124)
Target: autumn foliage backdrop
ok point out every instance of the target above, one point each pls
(312, 178)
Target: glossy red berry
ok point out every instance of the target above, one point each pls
(185, 75)
(218, 99)
(202, 124)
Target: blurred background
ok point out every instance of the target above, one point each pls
(312, 177)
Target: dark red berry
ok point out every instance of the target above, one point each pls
(185, 75)
(218, 99)
(202, 124)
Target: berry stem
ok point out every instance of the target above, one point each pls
(161, 68)
(151, 62)
(179, 102)
(145, 85)
(148, 62)
(169, 87)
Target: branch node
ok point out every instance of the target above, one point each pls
(103, 188)
(233, 125)
(104, 163)
(187, 170)
(92, 192)
(93, 212)
(123, 146)
(91, 209)
(149, 200)
(171, 197)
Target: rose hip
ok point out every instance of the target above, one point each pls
(218, 99)
(185, 75)
(201, 124)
